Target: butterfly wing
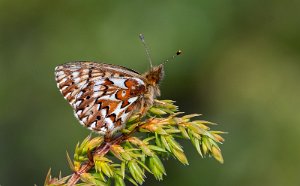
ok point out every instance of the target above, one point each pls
(103, 96)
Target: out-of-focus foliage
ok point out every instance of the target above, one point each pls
(240, 68)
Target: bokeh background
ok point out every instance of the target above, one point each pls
(240, 69)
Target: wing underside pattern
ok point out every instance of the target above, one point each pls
(103, 99)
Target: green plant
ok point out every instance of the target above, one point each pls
(140, 148)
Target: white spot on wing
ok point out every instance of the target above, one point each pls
(77, 80)
(63, 80)
(78, 103)
(120, 82)
(103, 112)
(75, 74)
(60, 73)
(109, 97)
(99, 82)
(110, 124)
(85, 71)
(60, 77)
(124, 116)
(64, 88)
(84, 120)
(67, 95)
(141, 82)
(97, 94)
(93, 125)
(81, 83)
(103, 129)
(79, 112)
(79, 94)
(133, 99)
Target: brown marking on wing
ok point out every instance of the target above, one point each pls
(108, 82)
(87, 72)
(125, 103)
(130, 108)
(111, 105)
(112, 117)
(118, 123)
(134, 87)
(94, 115)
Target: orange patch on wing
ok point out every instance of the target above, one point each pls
(125, 103)
(112, 105)
(130, 83)
(120, 96)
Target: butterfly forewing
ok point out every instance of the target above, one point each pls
(103, 96)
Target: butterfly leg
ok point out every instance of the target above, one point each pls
(108, 137)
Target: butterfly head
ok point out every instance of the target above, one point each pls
(155, 75)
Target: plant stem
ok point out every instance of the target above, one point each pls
(99, 151)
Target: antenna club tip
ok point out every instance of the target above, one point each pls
(179, 52)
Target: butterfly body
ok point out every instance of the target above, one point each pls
(104, 96)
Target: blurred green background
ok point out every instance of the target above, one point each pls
(240, 68)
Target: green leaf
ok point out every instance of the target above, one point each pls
(197, 146)
(165, 143)
(88, 178)
(146, 140)
(157, 140)
(159, 164)
(189, 116)
(180, 156)
(123, 166)
(48, 177)
(157, 167)
(172, 130)
(70, 162)
(144, 166)
(183, 132)
(119, 181)
(106, 169)
(172, 142)
(131, 180)
(156, 148)
(157, 111)
(136, 172)
(217, 154)
(146, 150)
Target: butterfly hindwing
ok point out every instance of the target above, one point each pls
(102, 97)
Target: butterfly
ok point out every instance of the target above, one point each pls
(104, 96)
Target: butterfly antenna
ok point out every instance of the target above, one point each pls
(146, 48)
(173, 57)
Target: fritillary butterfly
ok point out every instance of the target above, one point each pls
(104, 96)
